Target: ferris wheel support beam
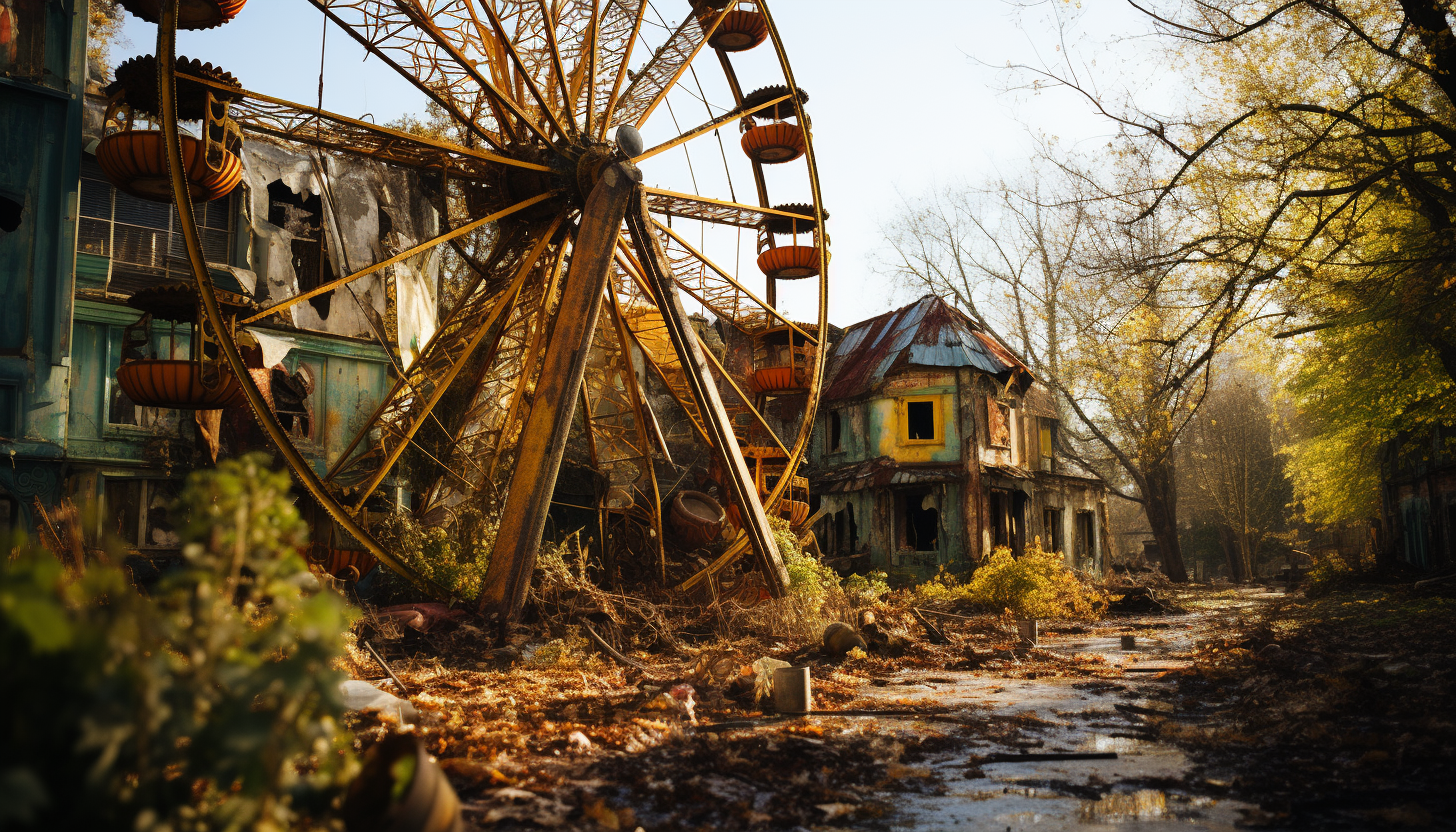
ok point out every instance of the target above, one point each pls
(544, 434)
(705, 392)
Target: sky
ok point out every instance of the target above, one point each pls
(904, 98)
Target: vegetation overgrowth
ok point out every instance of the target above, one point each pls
(212, 703)
(1039, 584)
(454, 556)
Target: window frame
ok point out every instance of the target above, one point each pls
(937, 420)
(166, 262)
(145, 484)
(834, 439)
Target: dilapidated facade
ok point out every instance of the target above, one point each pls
(82, 248)
(935, 445)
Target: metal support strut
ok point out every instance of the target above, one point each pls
(543, 436)
(705, 391)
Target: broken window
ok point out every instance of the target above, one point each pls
(1051, 522)
(10, 212)
(291, 400)
(301, 215)
(921, 420)
(22, 38)
(836, 430)
(1007, 509)
(138, 512)
(998, 422)
(1082, 543)
(921, 521)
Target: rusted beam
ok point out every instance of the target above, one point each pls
(705, 391)
(543, 436)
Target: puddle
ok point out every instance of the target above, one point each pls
(1137, 790)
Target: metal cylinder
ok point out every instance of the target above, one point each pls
(791, 690)
(1026, 628)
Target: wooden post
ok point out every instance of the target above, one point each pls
(705, 392)
(543, 436)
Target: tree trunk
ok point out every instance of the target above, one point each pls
(1231, 553)
(1161, 504)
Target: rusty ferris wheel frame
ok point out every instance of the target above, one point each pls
(547, 83)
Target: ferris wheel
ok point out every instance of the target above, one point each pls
(592, 250)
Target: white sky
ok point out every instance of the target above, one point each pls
(899, 97)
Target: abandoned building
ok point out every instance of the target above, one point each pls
(78, 254)
(1418, 496)
(935, 445)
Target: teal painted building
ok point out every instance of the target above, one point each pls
(73, 249)
(935, 444)
(42, 79)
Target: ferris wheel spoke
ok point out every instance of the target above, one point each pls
(304, 124)
(591, 63)
(558, 69)
(652, 84)
(516, 376)
(723, 212)
(387, 30)
(704, 128)
(526, 74)
(621, 24)
(488, 432)
(648, 331)
(448, 44)
(617, 428)
(742, 397)
(699, 284)
(436, 369)
(403, 255)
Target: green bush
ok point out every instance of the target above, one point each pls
(212, 705)
(455, 557)
(1332, 571)
(1036, 585)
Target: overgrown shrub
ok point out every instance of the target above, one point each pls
(211, 705)
(817, 596)
(1332, 571)
(1036, 585)
(455, 556)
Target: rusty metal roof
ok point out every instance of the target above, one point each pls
(884, 471)
(927, 333)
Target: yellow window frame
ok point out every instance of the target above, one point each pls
(938, 417)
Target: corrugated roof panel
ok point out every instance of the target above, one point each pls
(927, 333)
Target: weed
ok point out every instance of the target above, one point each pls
(209, 705)
(455, 556)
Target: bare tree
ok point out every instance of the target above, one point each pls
(1233, 472)
(1121, 333)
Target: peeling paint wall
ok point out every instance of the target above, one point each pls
(354, 193)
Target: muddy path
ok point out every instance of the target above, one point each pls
(1147, 785)
(892, 746)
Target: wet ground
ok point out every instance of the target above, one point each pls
(901, 743)
(1144, 787)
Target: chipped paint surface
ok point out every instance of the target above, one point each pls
(912, 492)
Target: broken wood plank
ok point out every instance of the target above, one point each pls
(378, 658)
(931, 631)
(1049, 757)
